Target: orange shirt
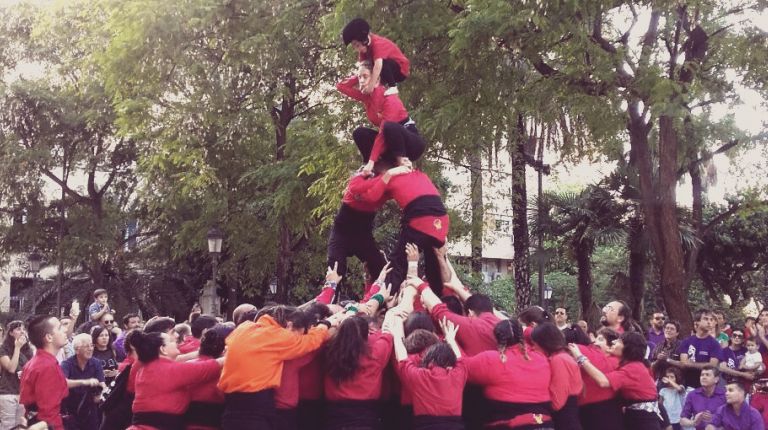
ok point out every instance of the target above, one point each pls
(256, 353)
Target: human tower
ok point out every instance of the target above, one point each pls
(388, 173)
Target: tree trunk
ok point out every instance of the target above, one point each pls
(478, 210)
(583, 252)
(520, 239)
(637, 266)
(282, 117)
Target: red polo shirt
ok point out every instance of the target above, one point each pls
(43, 384)
(436, 391)
(476, 334)
(366, 382)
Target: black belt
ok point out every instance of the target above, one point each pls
(159, 420)
(429, 422)
(353, 413)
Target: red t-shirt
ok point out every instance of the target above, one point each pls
(190, 344)
(43, 384)
(633, 381)
(382, 48)
(378, 108)
(515, 381)
(166, 386)
(594, 393)
(287, 394)
(476, 333)
(566, 379)
(359, 184)
(311, 379)
(366, 382)
(436, 391)
(206, 393)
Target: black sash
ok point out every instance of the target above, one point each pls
(159, 420)
(429, 205)
(353, 413)
(204, 414)
(429, 422)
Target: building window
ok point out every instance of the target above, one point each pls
(502, 225)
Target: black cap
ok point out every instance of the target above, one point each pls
(357, 29)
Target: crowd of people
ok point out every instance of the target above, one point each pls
(416, 352)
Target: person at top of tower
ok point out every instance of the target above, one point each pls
(397, 139)
(388, 60)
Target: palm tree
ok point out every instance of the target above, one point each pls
(584, 220)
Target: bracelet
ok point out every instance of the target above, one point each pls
(331, 284)
(325, 323)
(379, 298)
(581, 360)
(351, 308)
(413, 264)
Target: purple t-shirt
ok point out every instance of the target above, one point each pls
(699, 351)
(655, 338)
(732, 358)
(748, 419)
(697, 402)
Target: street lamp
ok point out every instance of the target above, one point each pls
(34, 259)
(273, 286)
(215, 238)
(547, 294)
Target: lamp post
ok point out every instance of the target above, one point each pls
(34, 259)
(273, 286)
(215, 238)
(547, 295)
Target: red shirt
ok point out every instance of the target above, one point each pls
(311, 379)
(593, 393)
(378, 108)
(633, 381)
(759, 401)
(206, 393)
(357, 186)
(476, 333)
(566, 379)
(436, 391)
(166, 386)
(43, 384)
(190, 344)
(515, 381)
(382, 48)
(287, 394)
(366, 382)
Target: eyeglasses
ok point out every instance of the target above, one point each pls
(86, 346)
(109, 322)
(659, 318)
(559, 313)
(737, 335)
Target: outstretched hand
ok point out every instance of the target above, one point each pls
(449, 330)
(384, 272)
(332, 274)
(367, 170)
(411, 252)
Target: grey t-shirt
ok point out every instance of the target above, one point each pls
(9, 381)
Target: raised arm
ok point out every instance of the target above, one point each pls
(449, 330)
(588, 367)
(350, 87)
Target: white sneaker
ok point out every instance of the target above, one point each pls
(390, 91)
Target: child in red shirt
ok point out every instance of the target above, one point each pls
(388, 60)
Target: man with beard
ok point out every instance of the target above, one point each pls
(617, 316)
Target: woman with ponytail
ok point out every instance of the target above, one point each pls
(207, 401)
(164, 386)
(566, 382)
(355, 362)
(515, 381)
(632, 380)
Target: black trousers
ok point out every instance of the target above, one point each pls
(399, 259)
(249, 411)
(641, 420)
(400, 141)
(567, 418)
(391, 74)
(605, 415)
(345, 242)
(311, 415)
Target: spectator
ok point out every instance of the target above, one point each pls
(759, 399)
(617, 316)
(130, 322)
(183, 330)
(668, 349)
(15, 352)
(104, 353)
(673, 394)
(749, 327)
(85, 379)
(731, 358)
(699, 350)
(561, 318)
(43, 386)
(656, 329)
(701, 403)
(736, 414)
(68, 325)
(100, 305)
